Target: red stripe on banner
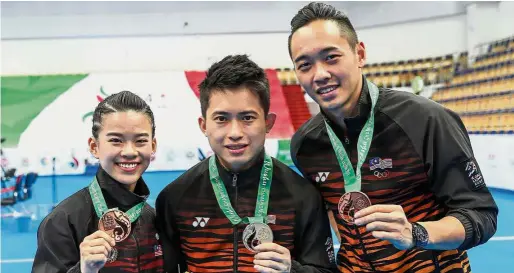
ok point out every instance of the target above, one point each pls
(195, 78)
(283, 127)
(9, 189)
(298, 108)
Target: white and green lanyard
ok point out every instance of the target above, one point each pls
(101, 206)
(261, 208)
(352, 179)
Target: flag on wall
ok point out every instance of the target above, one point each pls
(50, 116)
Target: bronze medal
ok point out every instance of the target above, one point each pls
(350, 203)
(116, 223)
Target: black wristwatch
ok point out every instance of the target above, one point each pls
(419, 235)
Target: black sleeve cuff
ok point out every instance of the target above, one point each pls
(75, 268)
(295, 266)
(469, 241)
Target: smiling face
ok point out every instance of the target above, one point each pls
(327, 67)
(236, 127)
(124, 146)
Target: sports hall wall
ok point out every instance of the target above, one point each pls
(71, 58)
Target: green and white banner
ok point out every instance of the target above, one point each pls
(50, 116)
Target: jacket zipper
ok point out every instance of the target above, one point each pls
(234, 184)
(367, 258)
(137, 247)
(361, 243)
(436, 262)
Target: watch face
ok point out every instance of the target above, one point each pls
(420, 235)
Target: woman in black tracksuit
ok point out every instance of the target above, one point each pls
(108, 227)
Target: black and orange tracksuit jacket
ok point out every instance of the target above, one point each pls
(62, 231)
(420, 158)
(197, 237)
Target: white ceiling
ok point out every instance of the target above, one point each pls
(86, 19)
(49, 8)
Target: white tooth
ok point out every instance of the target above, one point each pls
(326, 90)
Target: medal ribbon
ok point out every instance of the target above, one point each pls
(101, 206)
(261, 207)
(352, 179)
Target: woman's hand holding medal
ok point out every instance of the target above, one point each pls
(114, 226)
(95, 250)
(272, 258)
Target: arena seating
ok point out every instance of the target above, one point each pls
(481, 93)
(396, 74)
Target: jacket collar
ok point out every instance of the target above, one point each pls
(249, 176)
(353, 125)
(120, 196)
